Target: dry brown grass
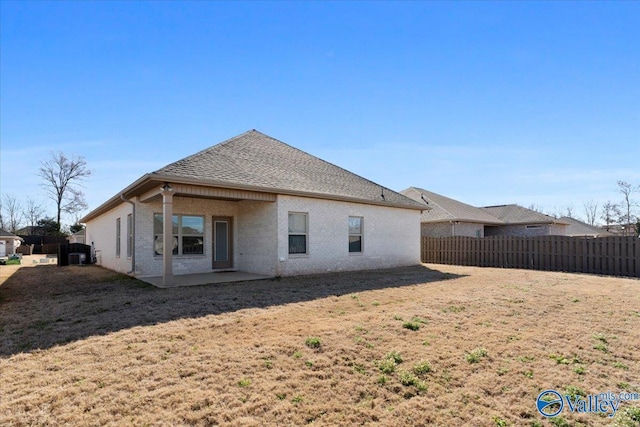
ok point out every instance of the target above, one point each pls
(85, 346)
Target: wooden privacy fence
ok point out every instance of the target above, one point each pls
(615, 256)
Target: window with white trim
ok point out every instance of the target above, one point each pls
(298, 233)
(356, 233)
(188, 234)
(118, 237)
(129, 235)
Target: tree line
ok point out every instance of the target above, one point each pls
(623, 214)
(61, 178)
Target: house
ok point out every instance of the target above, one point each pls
(523, 222)
(449, 217)
(8, 243)
(257, 205)
(77, 237)
(576, 228)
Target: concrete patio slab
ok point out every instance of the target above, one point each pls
(203, 279)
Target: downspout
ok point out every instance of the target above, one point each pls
(133, 234)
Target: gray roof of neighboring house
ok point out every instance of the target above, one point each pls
(514, 214)
(579, 228)
(446, 209)
(256, 160)
(5, 234)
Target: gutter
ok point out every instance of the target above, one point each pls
(133, 234)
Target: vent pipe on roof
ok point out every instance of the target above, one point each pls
(382, 194)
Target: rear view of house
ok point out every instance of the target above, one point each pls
(254, 204)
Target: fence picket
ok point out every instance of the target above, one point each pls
(619, 256)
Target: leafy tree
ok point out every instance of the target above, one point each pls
(48, 227)
(61, 175)
(74, 228)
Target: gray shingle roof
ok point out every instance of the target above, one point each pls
(446, 209)
(256, 160)
(4, 233)
(514, 214)
(579, 228)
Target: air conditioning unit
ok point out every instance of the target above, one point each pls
(77, 258)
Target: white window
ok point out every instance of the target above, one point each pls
(356, 233)
(298, 232)
(188, 234)
(118, 237)
(129, 235)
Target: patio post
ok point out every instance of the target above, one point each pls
(167, 234)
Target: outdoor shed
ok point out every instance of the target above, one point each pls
(257, 205)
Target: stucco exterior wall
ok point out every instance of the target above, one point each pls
(391, 237)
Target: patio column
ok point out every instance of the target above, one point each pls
(167, 234)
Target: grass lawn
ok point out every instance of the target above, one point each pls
(425, 345)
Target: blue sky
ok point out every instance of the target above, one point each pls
(489, 103)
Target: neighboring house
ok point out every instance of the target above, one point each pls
(78, 237)
(576, 228)
(8, 243)
(449, 217)
(523, 222)
(253, 204)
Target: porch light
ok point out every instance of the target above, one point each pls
(167, 187)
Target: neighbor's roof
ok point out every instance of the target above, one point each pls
(446, 209)
(579, 228)
(4, 233)
(257, 162)
(514, 214)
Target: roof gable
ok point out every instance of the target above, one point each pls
(256, 160)
(446, 209)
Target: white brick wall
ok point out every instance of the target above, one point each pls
(260, 237)
(391, 236)
(101, 232)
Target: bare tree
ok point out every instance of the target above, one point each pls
(535, 207)
(627, 190)
(570, 210)
(13, 212)
(32, 212)
(591, 211)
(609, 213)
(2, 225)
(60, 175)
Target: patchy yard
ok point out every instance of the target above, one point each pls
(430, 345)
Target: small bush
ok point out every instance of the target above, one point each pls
(414, 326)
(475, 355)
(395, 356)
(422, 368)
(245, 382)
(312, 342)
(387, 366)
(499, 422)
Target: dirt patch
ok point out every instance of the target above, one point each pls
(426, 345)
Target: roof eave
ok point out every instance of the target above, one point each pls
(133, 190)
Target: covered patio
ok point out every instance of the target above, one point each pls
(199, 279)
